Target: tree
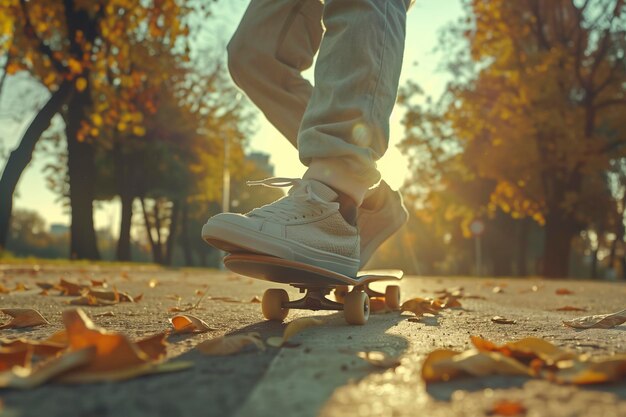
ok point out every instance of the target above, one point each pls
(86, 45)
(535, 109)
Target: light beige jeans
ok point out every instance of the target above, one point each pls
(341, 125)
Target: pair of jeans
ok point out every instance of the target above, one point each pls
(341, 124)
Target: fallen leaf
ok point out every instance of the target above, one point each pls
(124, 374)
(23, 317)
(71, 288)
(186, 323)
(138, 298)
(199, 292)
(497, 290)
(601, 321)
(563, 291)
(181, 309)
(224, 299)
(11, 356)
(27, 378)
(587, 370)
(4, 290)
(44, 285)
(228, 345)
(154, 346)
(502, 320)
(443, 365)
(525, 350)
(380, 359)
(451, 302)
(20, 287)
(507, 408)
(293, 328)
(255, 299)
(47, 347)
(570, 308)
(420, 306)
(98, 283)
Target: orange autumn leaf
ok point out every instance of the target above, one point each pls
(507, 408)
(27, 377)
(71, 288)
(420, 306)
(186, 323)
(154, 346)
(23, 317)
(14, 356)
(113, 351)
(563, 291)
(47, 347)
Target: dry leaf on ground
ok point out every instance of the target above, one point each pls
(294, 327)
(27, 378)
(228, 345)
(47, 347)
(186, 323)
(502, 320)
(420, 306)
(116, 357)
(443, 365)
(11, 356)
(23, 317)
(507, 408)
(255, 299)
(601, 321)
(563, 291)
(529, 357)
(71, 288)
(380, 359)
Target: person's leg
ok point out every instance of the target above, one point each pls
(345, 127)
(275, 41)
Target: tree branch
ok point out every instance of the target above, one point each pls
(43, 48)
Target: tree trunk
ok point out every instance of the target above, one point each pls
(559, 232)
(184, 234)
(171, 237)
(22, 155)
(123, 244)
(81, 167)
(156, 254)
(522, 247)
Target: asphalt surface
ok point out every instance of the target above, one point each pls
(319, 374)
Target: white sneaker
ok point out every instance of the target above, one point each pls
(304, 226)
(378, 224)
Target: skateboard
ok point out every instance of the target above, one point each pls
(316, 283)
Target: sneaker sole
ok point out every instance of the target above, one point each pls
(233, 238)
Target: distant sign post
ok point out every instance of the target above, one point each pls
(477, 227)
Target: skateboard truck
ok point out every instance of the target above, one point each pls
(314, 299)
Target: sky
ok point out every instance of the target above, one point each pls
(421, 64)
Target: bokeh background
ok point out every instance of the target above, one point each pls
(121, 132)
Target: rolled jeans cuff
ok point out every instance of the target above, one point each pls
(344, 175)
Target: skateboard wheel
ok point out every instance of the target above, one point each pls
(392, 297)
(356, 307)
(272, 304)
(341, 292)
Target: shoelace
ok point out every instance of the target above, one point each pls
(300, 201)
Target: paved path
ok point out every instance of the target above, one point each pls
(321, 376)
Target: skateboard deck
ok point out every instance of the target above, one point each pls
(270, 268)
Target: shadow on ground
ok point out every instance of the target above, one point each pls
(323, 360)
